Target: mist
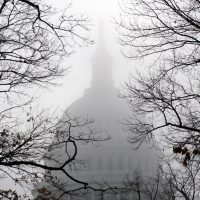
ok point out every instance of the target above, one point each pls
(79, 76)
(99, 100)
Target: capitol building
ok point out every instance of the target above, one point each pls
(109, 161)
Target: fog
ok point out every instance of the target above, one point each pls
(122, 122)
(79, 76)
(115, 159)
(90, 92)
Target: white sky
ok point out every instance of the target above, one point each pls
(74, 84)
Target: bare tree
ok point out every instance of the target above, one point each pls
(149, 188)
(167, 28)
(168, 184)
(34, 39)
(62, 153)
(169, 94)
(165, 34)
(24, 149)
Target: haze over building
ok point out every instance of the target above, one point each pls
(112, 159)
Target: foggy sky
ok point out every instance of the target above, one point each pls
(79, 78)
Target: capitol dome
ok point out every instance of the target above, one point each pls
(110, 160)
